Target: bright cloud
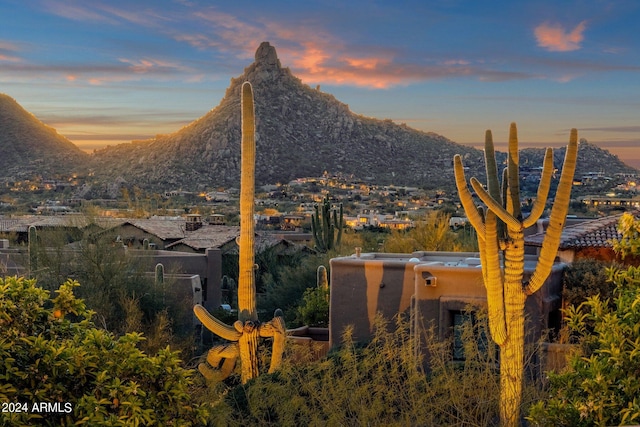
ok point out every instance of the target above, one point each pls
(555, 38)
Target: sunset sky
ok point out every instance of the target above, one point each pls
(105, 72)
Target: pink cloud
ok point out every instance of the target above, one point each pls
(555, 38)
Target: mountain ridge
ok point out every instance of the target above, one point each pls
(300, 131)
(30, 147)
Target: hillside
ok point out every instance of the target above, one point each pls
(29, 147)
(300, 132)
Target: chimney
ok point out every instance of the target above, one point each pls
(194, 222)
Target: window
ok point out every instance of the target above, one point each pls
(465, 323)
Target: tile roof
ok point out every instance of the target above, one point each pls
(596, 233)
(21, 224)
(209, 236)
(165, 229)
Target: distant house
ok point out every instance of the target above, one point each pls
(158, 231)
(208, 236)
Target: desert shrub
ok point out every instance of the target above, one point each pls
(584, 278)
(430, 234)
(381, 383)
(314, 309)
(53, 354)
(287, 292)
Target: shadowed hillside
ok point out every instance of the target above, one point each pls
(29, 147)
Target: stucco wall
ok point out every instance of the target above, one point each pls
(439, 282)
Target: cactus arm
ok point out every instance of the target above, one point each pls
(494, 281)
(543, 190)
(492, 168)
(465, 197)
(514, 173)
(321, 278)
(275, 328)
(228, 352)
(326, 224)
(214, 325)
(317, 231)
(494, 206)
(557, 218)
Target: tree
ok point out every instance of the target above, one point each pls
(52, 354)
(432, 233)
(602, 384)
(501, 232)
(245, 332)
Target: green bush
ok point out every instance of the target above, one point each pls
(314, 310)
(53, 357)
(584, 278)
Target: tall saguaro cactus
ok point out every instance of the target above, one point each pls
(500, 231)
(246, 331)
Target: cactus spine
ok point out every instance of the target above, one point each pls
(247, 329)
(33, 251)
(501, 231)
(324, 224)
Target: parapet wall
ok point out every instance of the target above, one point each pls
(430, 286)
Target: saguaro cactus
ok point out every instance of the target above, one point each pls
(247, 329)
(322, 281)
(33, 251)
(324, 226)
(500, 232)
(159, 278)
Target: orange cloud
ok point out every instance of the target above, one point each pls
(555, 38)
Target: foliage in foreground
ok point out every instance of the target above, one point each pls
(382, 383)
(602, 384)
(52, 353)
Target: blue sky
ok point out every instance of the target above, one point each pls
(105, 72)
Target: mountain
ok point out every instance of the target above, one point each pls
(29, 147)
(300, 132)
(591, 158)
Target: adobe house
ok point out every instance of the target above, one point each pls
(434, 288)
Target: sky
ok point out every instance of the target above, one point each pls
(103, 72)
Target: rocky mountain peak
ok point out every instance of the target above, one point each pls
(266, 56)
(266, 67)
